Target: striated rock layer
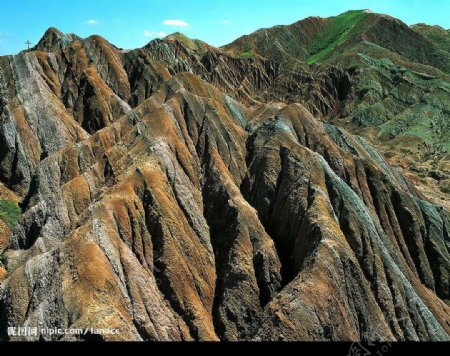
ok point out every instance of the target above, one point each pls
(179, 192)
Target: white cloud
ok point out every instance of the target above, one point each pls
(152, 34)
(176, 23)
(225, 22)
(92, 22)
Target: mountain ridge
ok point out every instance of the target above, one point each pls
(201, 48)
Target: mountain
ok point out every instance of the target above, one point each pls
(318, 40)
(280, 43)
(436, 34)
(54, 40)
(270, 190)
(396, 71)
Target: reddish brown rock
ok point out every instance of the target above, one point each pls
(176, 193)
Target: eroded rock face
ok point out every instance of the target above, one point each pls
(54, 40)
(394, 91)
(162, 194)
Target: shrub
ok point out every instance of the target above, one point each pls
(9, 212)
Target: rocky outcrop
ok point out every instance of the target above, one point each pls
(178, 192)
(54, 40)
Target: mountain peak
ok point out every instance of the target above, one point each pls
(53, 31)
(178, 36)
(309, 40)
(316, 40)
(189, 43)
(53, 40)
(437, 35)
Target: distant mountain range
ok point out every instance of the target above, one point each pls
(293, 185)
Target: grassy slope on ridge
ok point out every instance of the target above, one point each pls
(435, 34)
(334, 34)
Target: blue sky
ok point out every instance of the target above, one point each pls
(133, 23)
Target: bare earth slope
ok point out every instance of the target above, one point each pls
(182, 192)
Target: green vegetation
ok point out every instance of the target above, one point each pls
(445, 189)
(247, 52)
(247, 47)
(404, 103)
(246, 55)
(441, 41)
(191, 44)
(9, 212)
(334, 34)
(437, 35)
